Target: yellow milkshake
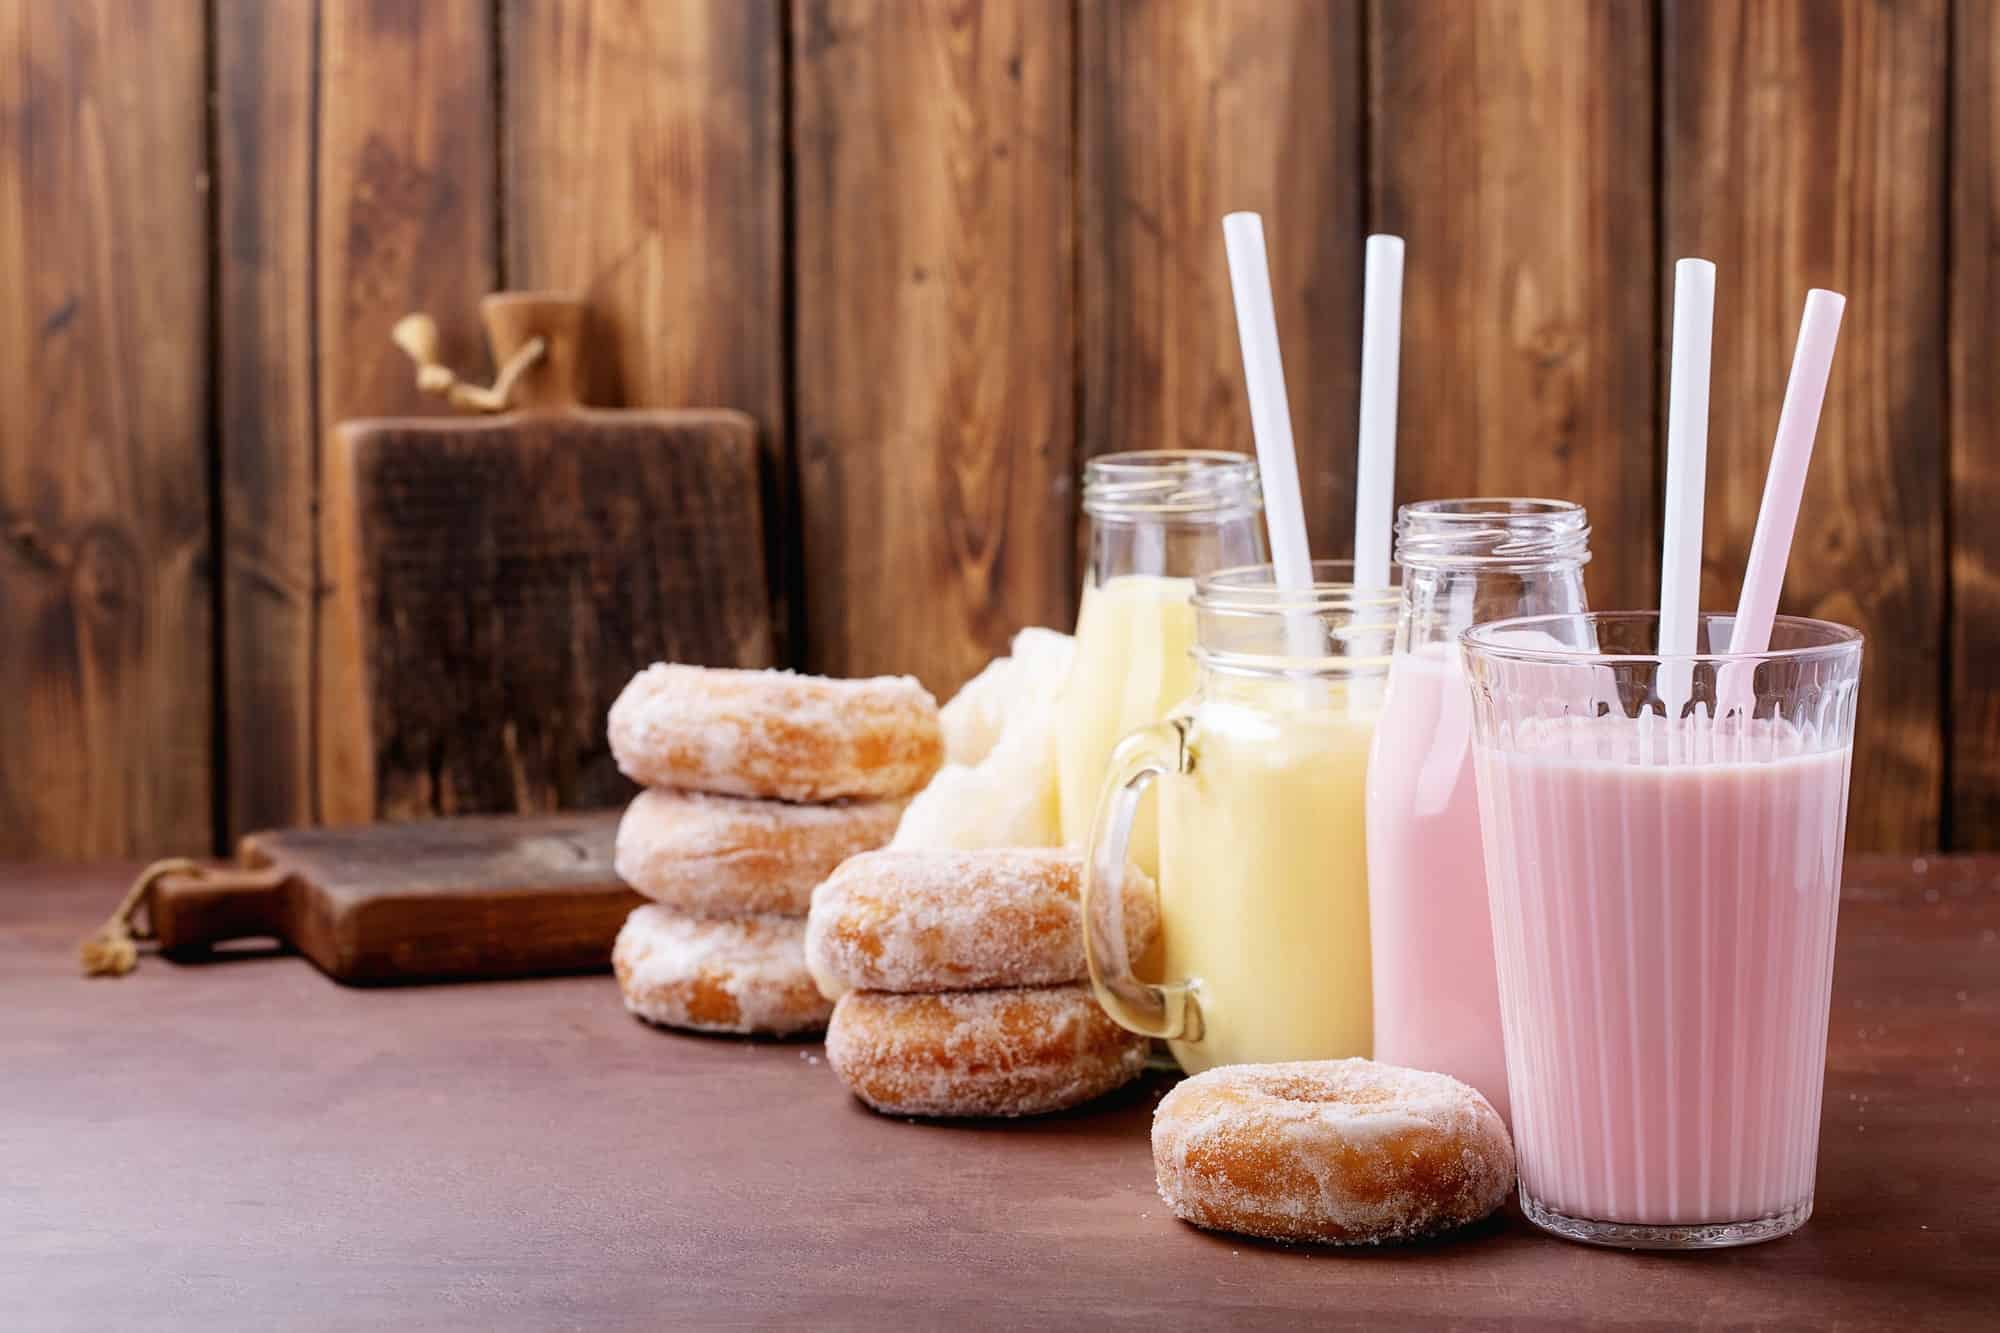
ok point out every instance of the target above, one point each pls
(1264, 876)
(1263, 865)
(1158, 519)
(1133, 664)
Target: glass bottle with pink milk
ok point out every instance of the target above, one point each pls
(1464, 562)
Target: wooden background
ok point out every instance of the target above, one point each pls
(944, 250)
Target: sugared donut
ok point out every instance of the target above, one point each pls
(721, 856)
(742, 975)
(1340, 1151)
(774, 734)
(909, 919)
(996, 1052)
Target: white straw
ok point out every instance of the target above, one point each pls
(1784, 485)
(1687, 475)
(1270, 417)
(1375, 456)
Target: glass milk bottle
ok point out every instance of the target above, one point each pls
(1464, 562)
(1158, 519)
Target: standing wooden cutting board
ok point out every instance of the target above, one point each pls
(494, 582)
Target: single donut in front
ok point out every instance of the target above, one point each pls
(720, 856)
(1342, 1152)
(774, 734)
(997, 1052)
(745, 975)
(906, 920)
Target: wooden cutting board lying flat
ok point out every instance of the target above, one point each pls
(475, 898)
(493, 582)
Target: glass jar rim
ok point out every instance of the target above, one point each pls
(1144, 483)
(1499, 533)
(1474, 507)
(1834, 641)
(1254, 590)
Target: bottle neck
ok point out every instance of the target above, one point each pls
(1469, 561)
(1442, 601)
(1184, 547)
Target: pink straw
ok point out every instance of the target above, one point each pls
(1785, 483)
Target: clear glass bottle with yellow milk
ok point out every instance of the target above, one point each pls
(1263, 867)
(1158, 519)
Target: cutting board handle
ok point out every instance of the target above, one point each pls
(514, 320)
(537, 341)
(190, 913)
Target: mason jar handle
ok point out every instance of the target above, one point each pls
(1170, 1008)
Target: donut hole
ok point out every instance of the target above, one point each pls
(1317, 1090)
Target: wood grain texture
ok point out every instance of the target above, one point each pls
(497, 581)
(645, 168)
(1974, 483)
(407, 194)
(267, 427)
(1822, 126)
(229, 1146)
(1512, 147)
(406, 221)
(105, 586)
(1187, 112)
(932, 151)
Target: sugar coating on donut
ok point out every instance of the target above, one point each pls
(720, 856)
(907, 919)
(1334, 1151)
(775, 734)
(980, 1053)
(745, 975)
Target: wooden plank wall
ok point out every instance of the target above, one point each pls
(1187, 112)
(935, 411)
(107, 670)
(945, 250)
(1972, 701)
(1836, 109)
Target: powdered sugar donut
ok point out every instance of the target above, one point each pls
(997, 1052)
(774, 734)
(742, 975)
(909, 919)
(719, 856)
(1340, 1151)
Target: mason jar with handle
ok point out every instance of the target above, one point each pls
(1262, 876)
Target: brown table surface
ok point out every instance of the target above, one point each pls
(246, 1144)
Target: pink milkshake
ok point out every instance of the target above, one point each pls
(1664, 896)
(1437, 1005)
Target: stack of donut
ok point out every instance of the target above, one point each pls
(961, 982)
(758, 784)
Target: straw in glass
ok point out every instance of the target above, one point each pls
(1375, 451)
(1270, 418)
(1784, 486)
(1687, 474)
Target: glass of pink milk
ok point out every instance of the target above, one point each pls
(1437, 1004)
(1664, 874)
